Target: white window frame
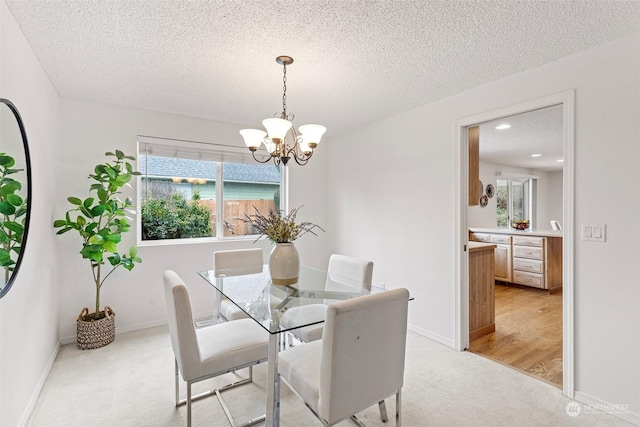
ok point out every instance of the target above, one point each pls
(530, 204)
(219, 153)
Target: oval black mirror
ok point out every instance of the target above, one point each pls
(15, 193)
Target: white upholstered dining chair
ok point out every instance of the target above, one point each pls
(342, 270)
(359, 361)
(249, 259)
(210, 351)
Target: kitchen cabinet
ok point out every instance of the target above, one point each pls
(482, 311)
(502, 253)
(537, 262)
(524, 257)
(474, 166)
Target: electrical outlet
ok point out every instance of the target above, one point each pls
(594, 232)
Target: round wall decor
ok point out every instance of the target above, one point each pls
(490, 190)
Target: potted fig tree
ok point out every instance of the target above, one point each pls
(100, 220)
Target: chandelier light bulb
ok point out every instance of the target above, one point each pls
(277, 128)
(304, 146)
(253, 138)
(270, 146)
(312, 134)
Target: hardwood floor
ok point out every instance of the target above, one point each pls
(528, 334)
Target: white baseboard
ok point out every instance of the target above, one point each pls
(36, 391)
(593, 404)
(431, 336)
(139, 327)
(122, 330)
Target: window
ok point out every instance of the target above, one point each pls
(191, 190)
(513, 198)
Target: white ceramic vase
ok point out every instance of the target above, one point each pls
(284, 264)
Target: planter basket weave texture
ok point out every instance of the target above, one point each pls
(98, 333)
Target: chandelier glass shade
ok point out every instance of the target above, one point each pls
(281, 140)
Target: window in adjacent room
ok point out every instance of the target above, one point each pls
(192, 190)
(514, 201)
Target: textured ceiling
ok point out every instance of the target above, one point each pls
(355, 61)
(534, 132)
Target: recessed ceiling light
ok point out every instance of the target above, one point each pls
(560, 160)
(503, 126)
(536, 155)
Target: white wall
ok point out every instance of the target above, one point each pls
(29, 312)
(391, 186)
(89, 130)
(553, 192)
(548, 197)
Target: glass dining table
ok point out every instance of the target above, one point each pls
(251, 290)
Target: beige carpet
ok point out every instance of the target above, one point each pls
(130, 383)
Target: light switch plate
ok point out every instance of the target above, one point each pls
(594, 232)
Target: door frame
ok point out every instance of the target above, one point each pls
(567, 100)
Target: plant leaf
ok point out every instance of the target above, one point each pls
(115, 259)
(88, 202)
(14, 226)
(96, 239)
(110, 246)
(14, 199)
(7, 208)
(98, 210)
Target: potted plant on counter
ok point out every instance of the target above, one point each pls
(282, 230)
(100, 221)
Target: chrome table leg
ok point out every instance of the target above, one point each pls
(273, 383)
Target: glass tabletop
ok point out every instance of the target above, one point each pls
(252, 291)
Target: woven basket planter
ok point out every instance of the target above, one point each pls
(95, 333)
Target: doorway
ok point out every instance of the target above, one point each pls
(565, 100)
(520, 157)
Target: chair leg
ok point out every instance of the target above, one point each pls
(356, 421)
(398, 408)
(177, 385)
(218, 394)
(225, 408)
(383, 415)
(383, 411)
(188, 404)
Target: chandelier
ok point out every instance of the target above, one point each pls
(281, 140)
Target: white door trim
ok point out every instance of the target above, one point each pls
(567, 99)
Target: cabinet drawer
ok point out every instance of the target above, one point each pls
(480, 237)
(528, 252)
(532, 265)
(528, 240)
(500, 238)
(529, 279)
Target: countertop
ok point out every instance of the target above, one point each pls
(479, 246)
(513, 232)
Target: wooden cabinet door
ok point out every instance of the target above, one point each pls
(503, 262)
(474, 165)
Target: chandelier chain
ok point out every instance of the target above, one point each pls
(284, 91)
